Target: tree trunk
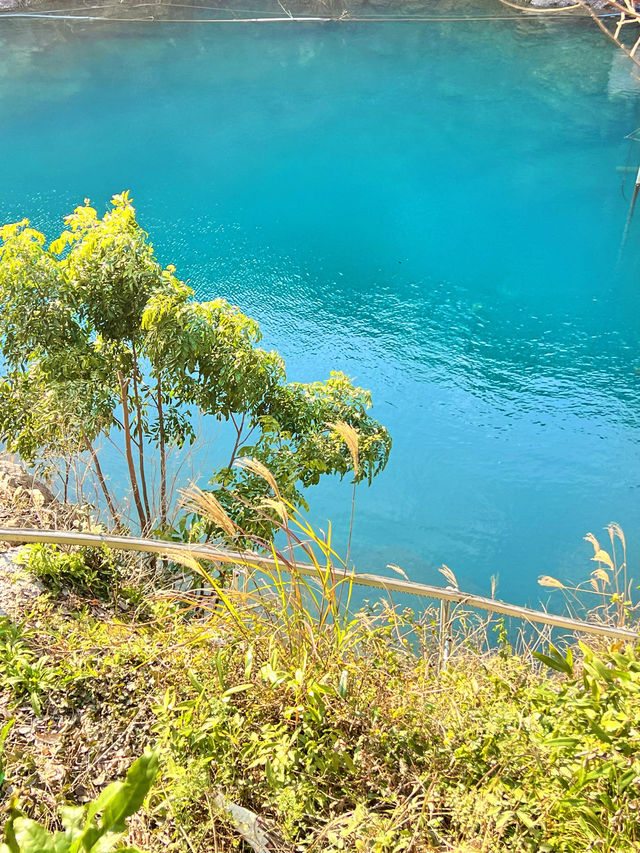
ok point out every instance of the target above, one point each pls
(127, 445)
(103, 485)
(136, 397)
(163, 457)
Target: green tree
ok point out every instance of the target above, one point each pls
(99, 340)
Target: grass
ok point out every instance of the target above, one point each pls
(369, 748)
(279, 711)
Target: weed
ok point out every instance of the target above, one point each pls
(23, 673)
(97, 827)
(340, 730)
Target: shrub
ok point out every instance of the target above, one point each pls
(86, 571)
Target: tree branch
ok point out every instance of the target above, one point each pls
(163, 455)
(103, 485)
(237, 444)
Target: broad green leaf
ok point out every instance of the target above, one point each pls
(238, 688)
(104, 798)
(128, 799)
(31, 837)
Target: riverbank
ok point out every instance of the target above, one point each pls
(290, 728)
(325, 736)
(338, 9)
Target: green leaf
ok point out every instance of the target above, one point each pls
(220, 669)
(271, 779)
(596, 667)
(197, 685)
(9, 827)
(556, 661)
(72, 817)
(570, 742)
(104, 798)
(238, 688)
(129, 797)
(31, 837)
(599, 731)
(526, 818)
(4, 731)
(106, 843)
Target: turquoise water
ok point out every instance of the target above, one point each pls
(434, 208)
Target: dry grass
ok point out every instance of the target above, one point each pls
(373, 729)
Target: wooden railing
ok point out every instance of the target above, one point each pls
(250, 558)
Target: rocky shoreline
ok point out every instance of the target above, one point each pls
(269, 8)
(26, 501)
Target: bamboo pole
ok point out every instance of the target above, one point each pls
(249, 558)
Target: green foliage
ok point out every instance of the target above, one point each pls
(592, 735)
(100, 340)
(413, 757)
(4, 731)
(347, 738)
(531, 764)
(88, 571)
(339, 729)
(95, 828)
(562, 758)
(22, 672)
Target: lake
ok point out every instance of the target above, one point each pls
(435, 208)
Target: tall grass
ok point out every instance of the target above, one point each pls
(606, 594)
(331, 727)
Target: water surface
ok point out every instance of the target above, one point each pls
(434, 208)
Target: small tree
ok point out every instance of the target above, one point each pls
(99, 341)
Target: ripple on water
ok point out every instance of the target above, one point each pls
(433, 209)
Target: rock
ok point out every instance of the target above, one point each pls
(27, 502)
(13, 477)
